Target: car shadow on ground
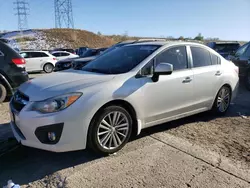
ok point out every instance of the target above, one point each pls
(24, 165)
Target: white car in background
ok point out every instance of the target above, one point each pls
(39, 61)
(60, 55)
(120, 93)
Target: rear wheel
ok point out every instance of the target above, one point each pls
(222, 100)
(3, 93)
(110, 130)
(48, 68)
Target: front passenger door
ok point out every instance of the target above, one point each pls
(172, 95)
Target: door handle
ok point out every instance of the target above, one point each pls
(218, 73)
(187, 80)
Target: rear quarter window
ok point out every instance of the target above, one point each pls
(215, 60)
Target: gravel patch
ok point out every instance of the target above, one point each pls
(228, 136)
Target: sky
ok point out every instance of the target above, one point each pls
(224, 19)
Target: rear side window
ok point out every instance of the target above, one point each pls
(201, 57)
(64, 54)
(37, 54)
(215, 59)
(56, 54)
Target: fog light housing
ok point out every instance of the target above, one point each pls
(51, 136)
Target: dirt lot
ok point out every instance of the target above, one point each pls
(227, 136)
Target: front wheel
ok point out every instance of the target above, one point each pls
(222, 100)
(48, 68)
(110, 130)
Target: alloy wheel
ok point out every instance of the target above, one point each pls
(223, 100)
(113, 130)
(48, 68)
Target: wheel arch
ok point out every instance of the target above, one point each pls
(225, 84)
(6, 83)
(44, 64)
(127, 106)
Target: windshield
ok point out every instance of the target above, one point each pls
(88, 53)
(120, 60)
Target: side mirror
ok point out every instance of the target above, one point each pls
(162, 69)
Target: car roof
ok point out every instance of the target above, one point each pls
(169, 43)
(34, 51)
(60, 52)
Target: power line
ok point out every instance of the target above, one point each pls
(63, 14)
(21, 7)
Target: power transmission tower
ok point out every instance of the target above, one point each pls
(21, 7)
(63, 14)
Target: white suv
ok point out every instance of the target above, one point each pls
(119, 93)
(39, 60)
(60, 55)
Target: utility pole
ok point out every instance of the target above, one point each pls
(21, 7)
(63, 14)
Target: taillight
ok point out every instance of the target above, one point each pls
(19, 61)
(54, 59)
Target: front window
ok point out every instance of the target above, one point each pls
(241, 50)
(121, 60)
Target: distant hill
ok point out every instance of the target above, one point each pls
(57, 38)
(46, 39)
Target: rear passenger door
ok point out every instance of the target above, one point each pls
(208, 73)
(35, 61)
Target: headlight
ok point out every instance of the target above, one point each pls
(55, 104)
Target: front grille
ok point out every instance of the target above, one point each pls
(19, 101)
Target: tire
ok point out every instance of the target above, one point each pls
(3, 93)
(108, 139)
(222, 100)
(48, 68)
(247, 80)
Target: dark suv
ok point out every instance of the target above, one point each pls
(12, 70)
(224, 48)
(241, 58)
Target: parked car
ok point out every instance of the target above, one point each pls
(242, 59)
(80, 51)
(60, 55)
(90, 54)
(224, 48)
(119, 93)
(39, 61)
(70, 50)
(12, 71)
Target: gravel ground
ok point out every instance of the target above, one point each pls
(228, 136)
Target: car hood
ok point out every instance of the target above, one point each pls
(55, 84)
(85, 59)
(67, 60)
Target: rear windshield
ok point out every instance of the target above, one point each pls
(226, 47)
(120, 60)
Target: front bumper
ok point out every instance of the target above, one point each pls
(31, 128)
